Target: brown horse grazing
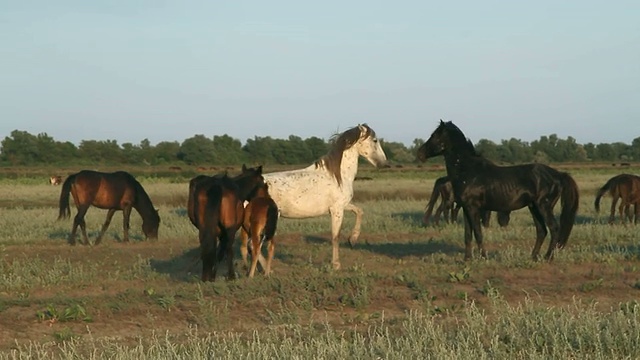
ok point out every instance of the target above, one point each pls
(448, 206)
(260, 222)
(627, 188)
(111, 191)
(216, 209)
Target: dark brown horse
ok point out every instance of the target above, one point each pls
(216, 208)
(448, 206)
(480, 185)
(260, 222)
(441, 190)
(627, 188)
(110, 191)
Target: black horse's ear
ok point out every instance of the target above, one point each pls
(259, 168)
(244, 167)
(441, 122)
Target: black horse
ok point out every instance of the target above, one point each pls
(480, 185)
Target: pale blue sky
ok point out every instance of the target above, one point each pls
(167, 70)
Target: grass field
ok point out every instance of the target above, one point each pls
(403, 292)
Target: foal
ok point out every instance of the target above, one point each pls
(260, 222)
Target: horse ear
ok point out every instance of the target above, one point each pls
(244, 167)
(441, 122)
(259, 168)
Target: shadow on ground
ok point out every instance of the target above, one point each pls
(187, 267)
(395, 249)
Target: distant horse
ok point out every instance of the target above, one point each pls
(627, 188)
(216, 209)
(326, 186)
(55, 180)
(111, 191)
(479, 185)
(448, 206)
(260, 222)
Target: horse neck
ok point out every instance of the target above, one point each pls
(143, 203)
(458, 164)
(349, 165)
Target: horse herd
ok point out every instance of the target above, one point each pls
(221, 205)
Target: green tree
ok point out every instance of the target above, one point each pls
(227, 150)
(197, 150)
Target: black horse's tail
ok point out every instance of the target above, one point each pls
(570, 199)
(606, 187)
(65, 211)
(272, 221)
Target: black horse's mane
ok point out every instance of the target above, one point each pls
(458, 138)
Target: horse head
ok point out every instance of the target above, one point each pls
(249, 181)
(369, 147)
(150, 226)
(445, 137)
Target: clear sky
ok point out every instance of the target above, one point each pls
(167, 70)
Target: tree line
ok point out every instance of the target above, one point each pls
(24, 149)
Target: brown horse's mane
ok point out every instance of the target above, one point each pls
(339, 144)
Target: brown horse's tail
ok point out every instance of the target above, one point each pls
(570, 199)
(606, 187)
(65, 211)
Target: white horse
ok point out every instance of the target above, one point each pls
(326, 186)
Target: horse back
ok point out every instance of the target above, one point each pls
(103, 190)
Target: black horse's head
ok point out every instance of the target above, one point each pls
(444, 137)
(436, 144)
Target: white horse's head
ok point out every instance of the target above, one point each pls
(369, 146)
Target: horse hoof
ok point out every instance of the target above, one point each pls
(352, 241)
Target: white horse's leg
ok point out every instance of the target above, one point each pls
(355, 233)
(337, 214)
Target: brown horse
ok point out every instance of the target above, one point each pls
(216, 208)
(260, 222)
(111, 191)
(450, 208)
(627, 188)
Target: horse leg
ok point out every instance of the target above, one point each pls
(78, 220)
(550, 220)
(486, 218)
(541, 231)
(244, 251)
(230, 235)
(105, 225)
(477, 230)
(355, 233)
(271, 251)
(468, 234)
(454, 213)
(256, 248)
(126, 214)
(337, 214)
(208, 255)
(612, 217)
